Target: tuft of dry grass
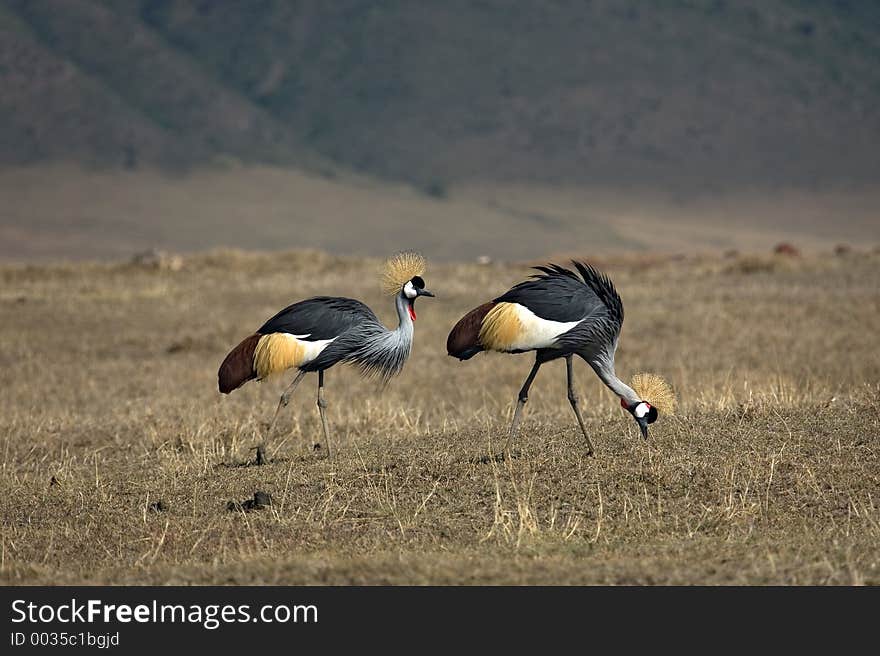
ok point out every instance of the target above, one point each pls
(118, 457)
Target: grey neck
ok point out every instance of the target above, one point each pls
(383, 352)
(405, 322)
(604, 368)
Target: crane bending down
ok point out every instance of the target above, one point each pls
(559, 314)
(317, 333)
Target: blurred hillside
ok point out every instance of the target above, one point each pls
(692, 95)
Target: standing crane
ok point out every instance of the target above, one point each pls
(559, 314)
(315, 334)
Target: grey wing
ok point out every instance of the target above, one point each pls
(604, 290)
(558, 294)
(345, 346)
(598, 333)
(322, 317)
(595, 336)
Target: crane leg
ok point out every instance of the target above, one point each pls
(322, 405)
(282, 403)
(572, 398)
(522, 399)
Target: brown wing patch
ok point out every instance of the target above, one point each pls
(464, 338)
(501, 327)
(277, 353)
(238, 366)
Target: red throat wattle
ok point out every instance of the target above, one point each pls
(412, 312)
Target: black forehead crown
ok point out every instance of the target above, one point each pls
(418, 283)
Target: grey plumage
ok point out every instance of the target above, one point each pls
(321, 317)
(318, 333)
(559, 294)
(364, 342)
(582, 304)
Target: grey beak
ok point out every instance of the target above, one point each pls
(644, 426)
(424, 292)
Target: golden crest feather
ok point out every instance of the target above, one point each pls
(400, 269)
(656, 391)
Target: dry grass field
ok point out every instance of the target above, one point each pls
(768, 474)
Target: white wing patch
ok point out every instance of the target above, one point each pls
(311, 350)
(535, 332)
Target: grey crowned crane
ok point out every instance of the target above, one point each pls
(560, 313)
(315, 334)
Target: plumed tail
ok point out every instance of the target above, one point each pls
(238, 367)
(464, 338)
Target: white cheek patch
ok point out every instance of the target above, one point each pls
(641, 410)
(410, 291)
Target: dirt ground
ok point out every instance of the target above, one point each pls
(61, 212)
(120, 458)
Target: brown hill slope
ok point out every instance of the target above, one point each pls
(696, 95)
(169, 111)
